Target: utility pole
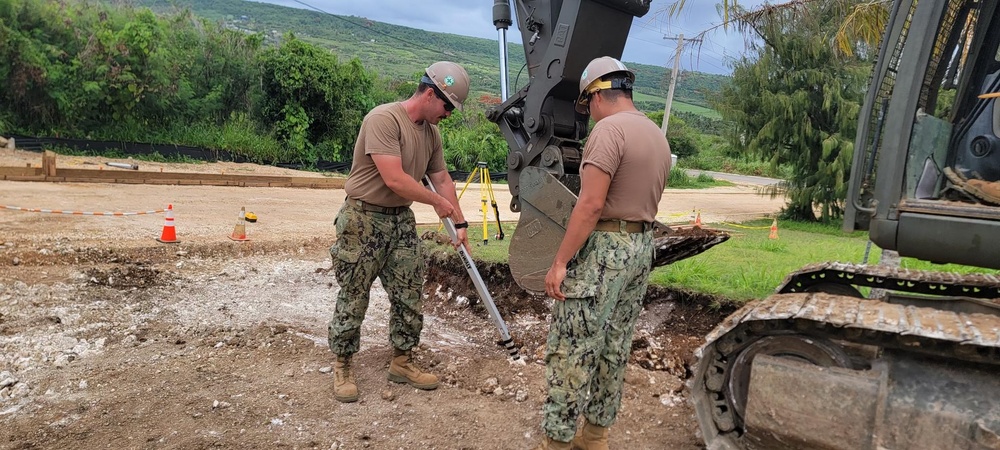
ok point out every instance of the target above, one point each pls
(673, 78)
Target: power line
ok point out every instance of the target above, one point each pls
(658, 44)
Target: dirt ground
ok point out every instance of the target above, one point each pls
(111, 339)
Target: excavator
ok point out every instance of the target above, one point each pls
(545, 132)
(842, 355)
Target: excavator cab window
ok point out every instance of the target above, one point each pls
(954, 137)
(975, 138)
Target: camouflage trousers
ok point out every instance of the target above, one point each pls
(372, 245)
(590, 337)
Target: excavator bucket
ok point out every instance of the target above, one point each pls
(545, 208)
(546, 204)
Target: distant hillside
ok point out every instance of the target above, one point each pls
(398, 52)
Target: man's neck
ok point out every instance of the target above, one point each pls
(412, 107)
(622, 105)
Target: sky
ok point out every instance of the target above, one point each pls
(647, 43)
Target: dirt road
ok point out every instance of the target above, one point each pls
(110, 339)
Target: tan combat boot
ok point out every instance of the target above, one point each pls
(344, 389)
(402, 370)
(591, 437)
(550, 444)
(988, 191)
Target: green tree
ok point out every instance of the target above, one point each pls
(682, 138)
(794, 102)
(215, 71)
(469, 138)
(315, 103)
(88, 69)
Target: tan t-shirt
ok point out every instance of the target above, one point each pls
(632, 149)
(388, 130)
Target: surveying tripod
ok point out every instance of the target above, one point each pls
(485, 185)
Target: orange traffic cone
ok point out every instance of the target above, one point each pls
(697, 220)
(774, 229)
(240, 230)
(169, 235)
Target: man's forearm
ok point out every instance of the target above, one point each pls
(447, 190)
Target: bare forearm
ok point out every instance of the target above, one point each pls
(446, 189)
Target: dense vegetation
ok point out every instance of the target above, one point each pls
(228, 75)
(79, 69)
(794, 101)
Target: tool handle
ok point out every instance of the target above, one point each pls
(477, 279)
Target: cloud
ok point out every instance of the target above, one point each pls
(646, 44)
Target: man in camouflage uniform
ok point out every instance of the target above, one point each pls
(397, 145)
(599, 275)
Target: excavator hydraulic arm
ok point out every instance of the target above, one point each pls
(539, 122)
(544, 131)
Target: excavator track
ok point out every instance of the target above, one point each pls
(820, 329)
(977, 285)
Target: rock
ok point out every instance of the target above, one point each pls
(325, 369)
(388, 395)
(491, 384)
(20, 390)
(64, 359)
(7, 379)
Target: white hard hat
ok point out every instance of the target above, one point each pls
(590, 79)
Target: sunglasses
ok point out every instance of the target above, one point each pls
(586, 102)
(448, 106)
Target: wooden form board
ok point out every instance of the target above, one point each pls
(49, 172)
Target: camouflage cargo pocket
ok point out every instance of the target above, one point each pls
(342, 260)
(597, 260)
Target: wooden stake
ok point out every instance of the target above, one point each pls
(49, 163)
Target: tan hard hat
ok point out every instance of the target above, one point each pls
(452, 80)
(590, 79)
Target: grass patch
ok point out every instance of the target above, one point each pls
(750, 265)
(493, 251)
(676, 105)
(679, 179)
(699, 110)
(714, 154)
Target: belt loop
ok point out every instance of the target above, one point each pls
(622, 226)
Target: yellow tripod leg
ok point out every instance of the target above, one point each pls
(496, 210)
(468, 181)
(483, 177)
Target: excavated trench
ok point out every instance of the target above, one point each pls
(672, 325)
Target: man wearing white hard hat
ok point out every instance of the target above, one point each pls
(600, 272)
